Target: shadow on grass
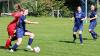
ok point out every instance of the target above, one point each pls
(86, 39)
(2, 47)
(23, 50)
(66, 41)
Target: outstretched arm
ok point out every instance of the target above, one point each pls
(29, 22)
(7, 14)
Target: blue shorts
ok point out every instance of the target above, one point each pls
(92, 25)
(78, 27)
(20, 32)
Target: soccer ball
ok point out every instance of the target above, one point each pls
(36, 49)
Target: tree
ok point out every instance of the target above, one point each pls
(45, 7)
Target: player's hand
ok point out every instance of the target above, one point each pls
(82, 19)
(35, 22)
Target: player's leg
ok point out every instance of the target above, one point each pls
(80, 37)
(91, 30)
(74, 36)
(31, 37)
(80, 34)
(15, 46)
(8, 41)
(94, 25)
(19, 34)
(75, 28)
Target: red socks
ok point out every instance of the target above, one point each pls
(8, 43)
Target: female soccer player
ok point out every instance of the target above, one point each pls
(12, 26)
(78, 24)
(21, 31)
(93, 22)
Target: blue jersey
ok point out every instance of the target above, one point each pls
(20, 31)
(21, 23)
(93, 22)
(78, 16)
(92, 15)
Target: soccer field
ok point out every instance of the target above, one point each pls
(54, 37)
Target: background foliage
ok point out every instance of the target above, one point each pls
(45, 7)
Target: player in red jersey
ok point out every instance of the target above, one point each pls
(11, 28)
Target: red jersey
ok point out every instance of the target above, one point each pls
(12, 26)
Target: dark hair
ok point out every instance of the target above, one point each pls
(19, 8)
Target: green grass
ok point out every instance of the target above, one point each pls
(53, 36)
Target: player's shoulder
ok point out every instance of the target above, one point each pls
(82, 13)
(94, 12)
(22, 17)
(75, 12)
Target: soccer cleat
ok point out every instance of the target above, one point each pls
(29, 48)
(11, 50)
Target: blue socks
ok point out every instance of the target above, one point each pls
(14, 47)
(93, 34)
(81, 39)
(30, 41)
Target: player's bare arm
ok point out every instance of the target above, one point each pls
(93, 17)
(83, 19)
(30, 22)
(9, 14)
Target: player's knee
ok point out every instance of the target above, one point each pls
(32, 35)
(90, 30)
(74, 33)
(19, 41)
(80, 32)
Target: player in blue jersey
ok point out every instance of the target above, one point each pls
(78, 24)
(93, 22)
(21, 31)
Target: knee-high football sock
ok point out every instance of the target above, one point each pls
(14, 47)
(81, 39)
(93, 34)
(74, 36)
(8, 43)
(30, 41)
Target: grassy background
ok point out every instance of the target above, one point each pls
(53, 36)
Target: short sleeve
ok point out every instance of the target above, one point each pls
(16, 14)
(95, 14)
(74, 14)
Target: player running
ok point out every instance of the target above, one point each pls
(93, 22)
(21, 31)
(78, 24)
(12, 26)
